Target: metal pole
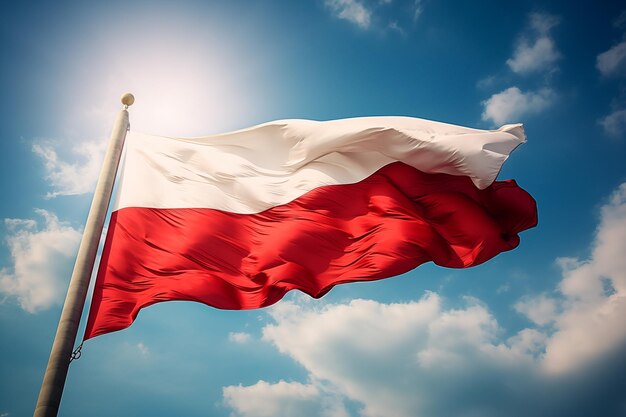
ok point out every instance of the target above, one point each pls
(56, 372)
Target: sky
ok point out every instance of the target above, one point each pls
(537, 331)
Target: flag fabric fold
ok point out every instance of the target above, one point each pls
(236, 220)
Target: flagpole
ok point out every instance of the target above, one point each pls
(58, 363)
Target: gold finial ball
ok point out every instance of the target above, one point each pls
(128, 99)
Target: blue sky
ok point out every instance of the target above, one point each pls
(536, 331)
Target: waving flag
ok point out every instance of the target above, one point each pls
(236, 220)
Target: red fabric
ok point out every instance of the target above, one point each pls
(382, 226)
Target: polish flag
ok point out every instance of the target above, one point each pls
(236, 220)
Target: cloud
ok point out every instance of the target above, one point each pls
(542, 23)
(239, 337)
(144, 351)
(375, 14)
(418, 8)
(593, 295)
(535, 52)
(511, 104)
(538, 53)
(612, 63)
(394, 26)
(408, 359)
(41, 258)
(531, 58)
(397, 359)
(620, 21)
(285, 399)
(487, 82)
(351, 10)
(614, 124)
(540, 310)
(71, 178)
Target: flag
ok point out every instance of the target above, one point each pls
(236, 220)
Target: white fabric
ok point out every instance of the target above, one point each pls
(251, 170)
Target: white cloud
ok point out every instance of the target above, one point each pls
(143, 349)
(41, 259)
(487, 82)
(533, 57)
(535, 52)
(351, 10)
(400, 359)
(614, 124)
(541, 310)
(620, 21)
(239, 337)
(594, 296)
(511, 104)
(71, 178)
(408, 359)
(538, 53)
(612, 63)
(284, 399)
(394, 26)
(417, 9)
(542, 23)
(504, 288)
